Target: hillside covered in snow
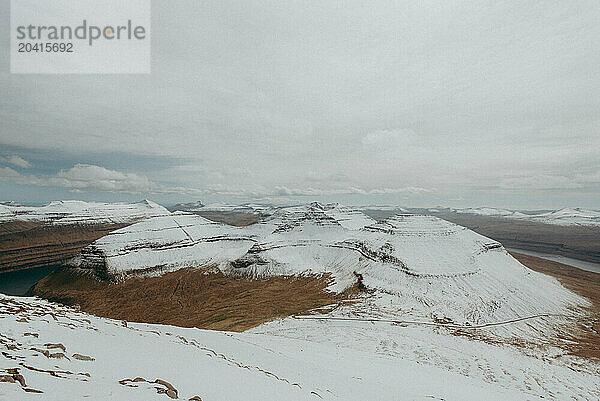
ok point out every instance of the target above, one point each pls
(79, 212)
(51, 234)
(563, 217)
(52, 352)
(431, 268)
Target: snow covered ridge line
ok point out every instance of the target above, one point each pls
(428, 266)
(198, 206)
(563, 217)
(79, 212)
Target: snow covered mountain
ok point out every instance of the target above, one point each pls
(487, 211)
(563, 217)
(6, 212)
(79, 212)
(433, 268)
(187, 207)
(198, 207)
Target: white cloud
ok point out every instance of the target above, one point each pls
(446, 95)
(16, 161)
(8, 173)
(591, 178)
(91, 177)
(548, 182)
(87, 176)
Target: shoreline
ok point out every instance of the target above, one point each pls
(580, 264)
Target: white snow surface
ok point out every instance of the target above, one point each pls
(79, 212)
(40, 340)
(539, 369)
(6, 212)
(563, 217)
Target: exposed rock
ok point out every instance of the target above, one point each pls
(19, 377)
(83, 357)
(53, 346)
(7, 379)
(33, 390)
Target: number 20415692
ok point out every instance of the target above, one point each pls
(45, 47)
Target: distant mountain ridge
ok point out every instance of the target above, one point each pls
(80, 212)
(51, 234)
(564, 217)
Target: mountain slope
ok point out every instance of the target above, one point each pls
(79, 212)
(65, 354)
(40, 236)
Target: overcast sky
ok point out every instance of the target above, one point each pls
(412, 103)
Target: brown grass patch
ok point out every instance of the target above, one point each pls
(202, 298)
(584, 283)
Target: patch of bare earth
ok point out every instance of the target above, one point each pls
(586, 342)
(202, 298)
